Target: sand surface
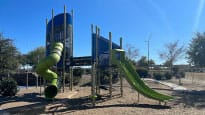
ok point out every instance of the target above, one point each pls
(77, 102)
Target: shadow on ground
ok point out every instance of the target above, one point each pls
(191, 98)
(37, 101)
(63, 105)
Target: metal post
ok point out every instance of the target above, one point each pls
(37, 81)
(192, 80)
(148, 61)
(64, 51)
(27, 77)
(110, 64)
(121, 82)
(40, 85)
(37, 75)
(148, 53)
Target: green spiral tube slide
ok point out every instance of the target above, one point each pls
(43, 70)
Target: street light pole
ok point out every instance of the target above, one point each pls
(148, 53)
(148, 40)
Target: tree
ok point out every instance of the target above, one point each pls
(196, 50)
(151, 62)
(8, 55)
(144, 63)
(173, 51)
(132, 53)
(167, 63)
(23, 59)
(34, 56)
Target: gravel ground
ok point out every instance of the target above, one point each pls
(29, 102)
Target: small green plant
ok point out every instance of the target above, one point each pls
(8, 87)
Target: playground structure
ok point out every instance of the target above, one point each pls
(105, 55)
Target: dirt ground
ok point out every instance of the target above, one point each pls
(77, 102)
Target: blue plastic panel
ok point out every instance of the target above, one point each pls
(58, 35)
(103, 50)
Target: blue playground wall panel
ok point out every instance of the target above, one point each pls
(103, 50)
(58, 36)
(58, 20)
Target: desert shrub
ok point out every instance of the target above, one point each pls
(143, 72)
(8, 87)
(167, 75)
(158, 76)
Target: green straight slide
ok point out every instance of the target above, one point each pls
(43, 70)
(133, 78)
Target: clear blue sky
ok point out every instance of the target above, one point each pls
(166, 20)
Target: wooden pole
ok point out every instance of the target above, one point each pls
(110, 64)
(52, 29)
(71, 78)
(44, 54)
(64, 51)
(96, 49)
(72, 13)
(71, 45)
(37, 81)
(36, 74)
(93, 71)
(121, 82)
(96, 59)
(97, 62)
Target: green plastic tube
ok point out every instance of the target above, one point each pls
(43, 70)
